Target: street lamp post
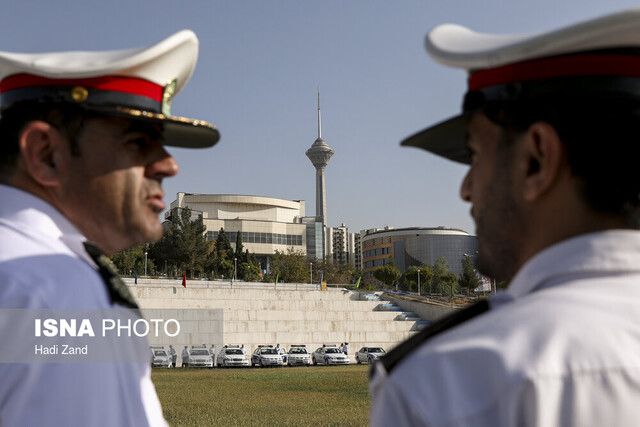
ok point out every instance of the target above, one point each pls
(310, 273)
(418, 282)
(235, 269)
(145, 263)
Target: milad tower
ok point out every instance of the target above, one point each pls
(319, 154)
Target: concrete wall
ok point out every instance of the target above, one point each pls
(218, 314)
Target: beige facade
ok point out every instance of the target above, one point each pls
(267, 224)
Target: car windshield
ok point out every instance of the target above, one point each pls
(332, 350)
(298, 350)
(233, 351)
(268, 351)
(160, 353)
(376, 350)
(199, 353)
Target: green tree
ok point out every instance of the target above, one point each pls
(131, 260)
(223, 247)
(289, 267)
(168, 251)
(224, 268)
(411, 278)
(469, 278)
(388, 273)
(238, 253)
(195, 242)
(443, 281)
(221, 257)
(183, 245)
(248, 272)
(340, 274)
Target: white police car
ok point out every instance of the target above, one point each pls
(329, 355)
(232, 356)
(298, 355)
(369, 354)
(199, 357)
(266, 355)
(160, 358)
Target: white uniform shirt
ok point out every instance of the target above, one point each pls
(561, 347)
(43, 265)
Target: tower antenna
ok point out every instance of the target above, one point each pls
(319, 116)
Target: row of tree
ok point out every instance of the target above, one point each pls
(294, 267)
(185, 248)
(436, 278)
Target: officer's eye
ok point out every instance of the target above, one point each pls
(142, 142)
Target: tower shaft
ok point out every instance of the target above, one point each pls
(321, 196)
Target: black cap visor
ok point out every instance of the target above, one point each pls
(176, 131)
(447, 139)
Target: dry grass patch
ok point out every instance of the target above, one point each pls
(267, 397)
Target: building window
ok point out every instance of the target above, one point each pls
(254, 237)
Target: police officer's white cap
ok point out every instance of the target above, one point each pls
(597, 58)
(135, 83)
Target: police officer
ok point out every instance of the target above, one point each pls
(82, 160)
(174, 355)
(185, 357)
(212, 352)
(550, 128)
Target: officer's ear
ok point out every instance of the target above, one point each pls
(40, 145)
(542, 157)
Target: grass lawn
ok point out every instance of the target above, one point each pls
(323, 395)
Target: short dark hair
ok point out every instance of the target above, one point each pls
(602, 139)
(66, 117)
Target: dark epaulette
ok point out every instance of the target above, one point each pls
(392, 358)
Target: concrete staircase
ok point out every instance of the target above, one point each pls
(388, 304)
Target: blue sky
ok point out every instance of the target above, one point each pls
(259, 68)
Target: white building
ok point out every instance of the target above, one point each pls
(341, 245)
(267, 224)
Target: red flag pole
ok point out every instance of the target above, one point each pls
(184, 279)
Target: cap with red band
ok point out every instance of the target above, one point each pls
(134, 83)
(594, 59)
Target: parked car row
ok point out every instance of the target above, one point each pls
(263, 356)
